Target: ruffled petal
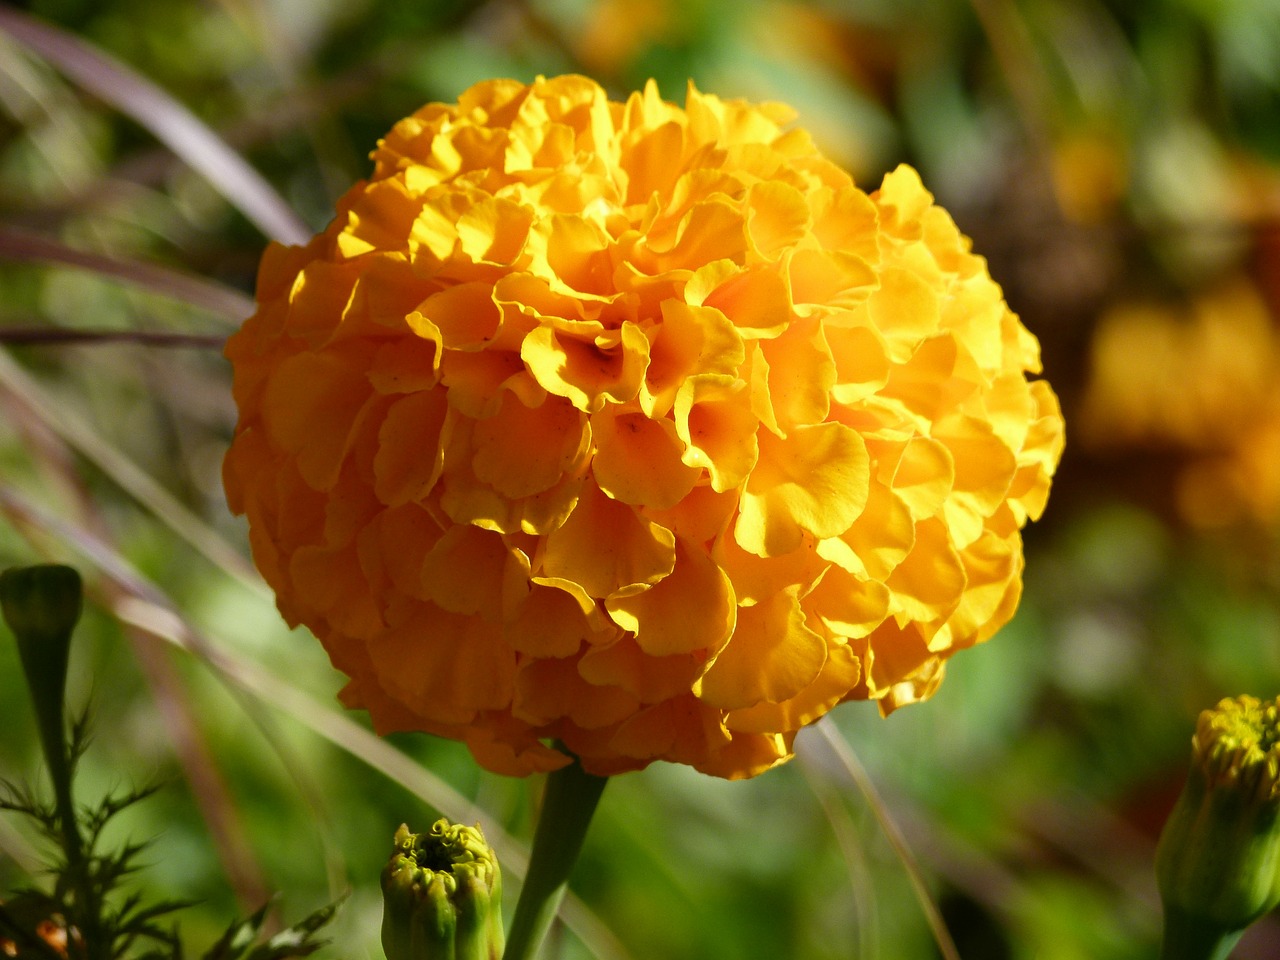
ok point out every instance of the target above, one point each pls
(813, 481)
(693, 608)
(607, 549)
(772, 656)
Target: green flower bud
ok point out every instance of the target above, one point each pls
(1218, 861)
(41, 605)
(442, 896)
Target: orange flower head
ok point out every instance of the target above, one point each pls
(634, 427)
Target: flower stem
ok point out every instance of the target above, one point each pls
(1189, 938)
(568, 803)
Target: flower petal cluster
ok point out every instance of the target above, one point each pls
(637, 427)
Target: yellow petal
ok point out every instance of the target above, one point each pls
(927, 584)
(400, 538)
(637, 460)
(711, 230)
(680, 728)
(310, 407)
(777, 217)
(846, 219)
(691, 609)
(993, 568)
(463, 572)
(701, 516)
(840, 674)
(848, 605)
(879, 539)
(606, 548)
(650, 679)
(590, 372)
(862, 365)
(815, 480)
(801, 375)
(746, 755)
(717, 427)
(756, 300)
(465, 498)
(898, 666)
(411, 443)
(905, 311)
(571, 252)
(549, 690)
(924, 477)
(772, 656)
(328, 581)
(755, 578)
(984, 469)
(406, 365)
(902, 200)
(479, 382)
(380, 219)
(828, 278)
(522, 451)
(444, 666)
(465, 314)
(318, 299)
(690, 340)
(493, 230)
(509, 748)
(551, 623)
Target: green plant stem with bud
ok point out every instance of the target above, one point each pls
(42, 604)
(442, 896)
(568, 803)
(1218, 860)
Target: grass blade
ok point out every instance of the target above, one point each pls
(168, 120)
(130, 477)
(848, 761)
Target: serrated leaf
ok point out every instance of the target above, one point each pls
(238, 936)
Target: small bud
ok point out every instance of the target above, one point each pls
(442, 896)
(1218, 861)
(41, 605)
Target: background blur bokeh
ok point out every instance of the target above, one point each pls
(1117, 162)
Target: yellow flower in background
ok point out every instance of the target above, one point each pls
(1192, 375)
(637, 427)
(1202, 380)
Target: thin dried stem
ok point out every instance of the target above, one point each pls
(55, 336)
(22, 246)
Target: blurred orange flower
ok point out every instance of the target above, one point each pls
(1201, 379)
(637, 427)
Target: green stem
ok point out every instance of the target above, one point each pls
(1190, 938)
(568, 802)
(41, 604)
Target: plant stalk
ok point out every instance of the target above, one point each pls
(568, 802)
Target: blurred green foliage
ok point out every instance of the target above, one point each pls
(1100, 152)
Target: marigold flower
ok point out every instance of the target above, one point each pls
(637, 427)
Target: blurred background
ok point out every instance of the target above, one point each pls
(1117, 162)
